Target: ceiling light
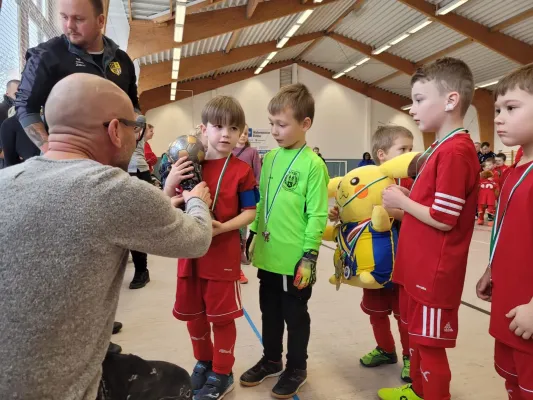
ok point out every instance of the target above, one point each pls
(282, 42)
(271, 55)
(336, 76)
(263, 64)
(488, 83)
(381, 49)
(258, 70)
(292, 30)
(177, 53)
(178, 34)
(172, 98)
(180, 13)
(306, 14)
(450, 7)
(420, 26)
(175, 75)
(405, 108)
(349, 69)
(318, 1)
(399, 39)
(174, 85)
(175, 65)
(364, 60)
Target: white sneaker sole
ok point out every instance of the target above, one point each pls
(248, 384)
(289, 396)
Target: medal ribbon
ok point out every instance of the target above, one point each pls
(341, 206)
(219, 183)
(268, 210)
(432, 150)
(496, 229)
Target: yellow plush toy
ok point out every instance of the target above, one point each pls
(366, 237)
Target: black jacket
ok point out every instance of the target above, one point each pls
(52, 61)
(4, 107)
(16, 144)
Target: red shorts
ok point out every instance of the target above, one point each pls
(219, 300)
(515, 367)
(428, 326)
(381, 301)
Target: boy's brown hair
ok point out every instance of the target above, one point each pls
(298, 98)
(522, 78)
(384, 137)
(450, 74)
(225, 111)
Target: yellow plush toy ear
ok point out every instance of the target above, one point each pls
(333, 185)
(402, 166)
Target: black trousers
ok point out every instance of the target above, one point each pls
(140, 260)
(132, 378)
(281, 303)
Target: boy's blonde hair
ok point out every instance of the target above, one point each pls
(298, 98)
(384, 137)
(225, 111)
(450, 75)
(522, 78)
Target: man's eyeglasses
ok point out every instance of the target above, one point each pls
(138, 127)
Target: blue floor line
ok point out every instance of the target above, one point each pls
(254, 328)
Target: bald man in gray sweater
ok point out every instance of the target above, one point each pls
(68, 219)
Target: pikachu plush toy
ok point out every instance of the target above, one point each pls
(366, 236)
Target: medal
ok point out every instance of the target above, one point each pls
(219, 183)
(268, 210)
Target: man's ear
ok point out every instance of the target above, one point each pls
(113, 130)
(101, 21)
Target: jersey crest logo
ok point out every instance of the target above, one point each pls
(291, 180)
(115, 68)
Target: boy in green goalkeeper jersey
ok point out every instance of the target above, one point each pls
(291, 218)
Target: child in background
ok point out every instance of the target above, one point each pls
(500, 166)
(507, 280)
(291, 219)
(208, 292)
(488, 193)
(388, 142)
(437, 227)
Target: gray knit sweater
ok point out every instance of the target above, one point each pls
(65, 227)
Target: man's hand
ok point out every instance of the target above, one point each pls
(484, 286)
(218, 228)
(333, 214)
(305, 270)
(393, 197)
(522, 323)
(177, 201)
(201, 191)
(180, 171)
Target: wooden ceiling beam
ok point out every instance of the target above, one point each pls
(507, 46)
(233, 40)
(512, 21)
(161, 96)
(159, 74)
(391, 60)
(151, 38)
(130, 17)
(250, 8)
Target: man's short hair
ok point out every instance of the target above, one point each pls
(502, 156)
(298, 98)
(12, 82)
(225, 111)
(98, 6)
(384, 137)
(485, 144)
(450, 75)
(522, 78)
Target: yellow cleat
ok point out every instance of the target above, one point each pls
(405, 392)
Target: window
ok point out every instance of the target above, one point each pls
(9, 45)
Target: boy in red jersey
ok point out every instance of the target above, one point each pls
(500, 167)
(437, 227)
(208, 291)
(507, 281)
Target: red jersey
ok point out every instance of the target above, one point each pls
(223, 259)
(406, 183)
(512, 271)
(498, 171)
(150, 156)
(488, 188)
(431, 264)
(519, 154)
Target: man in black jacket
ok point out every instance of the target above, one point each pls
(9, 99)
(81, 48)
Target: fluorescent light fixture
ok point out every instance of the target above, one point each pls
(174, 85)
(175, 75)
(405, 108)
(364, 60)
(271, 55)
(318, 1)
(172, 98)
(282, 42)
(263, 64)
(175, 65)
(450, 7)
(258, 70)
(420, 26)
(180, 13)
(178, 34)
(336, 76)
(177, 53)
(488, 83)
(381, 49)
(292, 31)
(306, 14)
(349, 69)
(399, 39)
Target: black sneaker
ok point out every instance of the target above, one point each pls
(290, 382)
(199, 375)
(216, 387)
(117, 326)
(259, 372)
(140, 280)
(114, 348)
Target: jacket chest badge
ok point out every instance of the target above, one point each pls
(115, 68)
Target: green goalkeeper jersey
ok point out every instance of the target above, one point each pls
(298, 214)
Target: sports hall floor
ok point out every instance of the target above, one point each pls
(340, 334)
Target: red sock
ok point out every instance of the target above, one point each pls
(433, 375)
(200, 333)
(404, 336)
(382, 332)
(225, 335)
